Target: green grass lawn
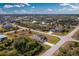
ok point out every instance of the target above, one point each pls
(53, 39)
(46, 47)
(6, 52)
(61, 34)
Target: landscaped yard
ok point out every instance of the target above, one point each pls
(52, 39)
(61, 34)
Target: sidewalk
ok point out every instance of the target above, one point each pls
(49, 44)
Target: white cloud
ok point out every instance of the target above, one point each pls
(64, 4)
(17, 6)
(50, 10)
(69, 8)
(74, 6)
(33, 7)
(20, 12)
(27, 4)
(8, 6)
(66, 11)
(22, 5)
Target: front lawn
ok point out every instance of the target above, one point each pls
(61, 34)
(52, 39)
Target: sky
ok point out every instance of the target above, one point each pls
(39, 8)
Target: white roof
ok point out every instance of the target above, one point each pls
(2, 36)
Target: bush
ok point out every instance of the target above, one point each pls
(27, 48)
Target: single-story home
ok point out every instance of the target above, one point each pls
(40, 38)
(57, 29)
(2, 37)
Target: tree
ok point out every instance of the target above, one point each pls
(26, 47)
(20, 45)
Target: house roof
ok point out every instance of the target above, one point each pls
(2, 36)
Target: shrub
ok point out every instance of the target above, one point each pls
(26, 47)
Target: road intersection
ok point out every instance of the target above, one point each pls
(54, 48)
(63, 40)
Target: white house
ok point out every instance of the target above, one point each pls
(40, 38)
(2, 37)
(34, 21)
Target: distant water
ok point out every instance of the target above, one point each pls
(39, 14)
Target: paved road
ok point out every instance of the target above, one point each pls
(54, 48)
(36, 31)
(13, 31)
(49, 44)
(21, 28)
(63, 40)
(73, 32)
(75, 40)
(46, 43)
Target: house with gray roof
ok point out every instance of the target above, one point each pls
(40, 38)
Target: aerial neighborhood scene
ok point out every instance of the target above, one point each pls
(39, 29)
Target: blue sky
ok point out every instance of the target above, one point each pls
(39, 8)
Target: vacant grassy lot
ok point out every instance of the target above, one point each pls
(68, 49)
(52, 39)
(17, 34)
(61, 34)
